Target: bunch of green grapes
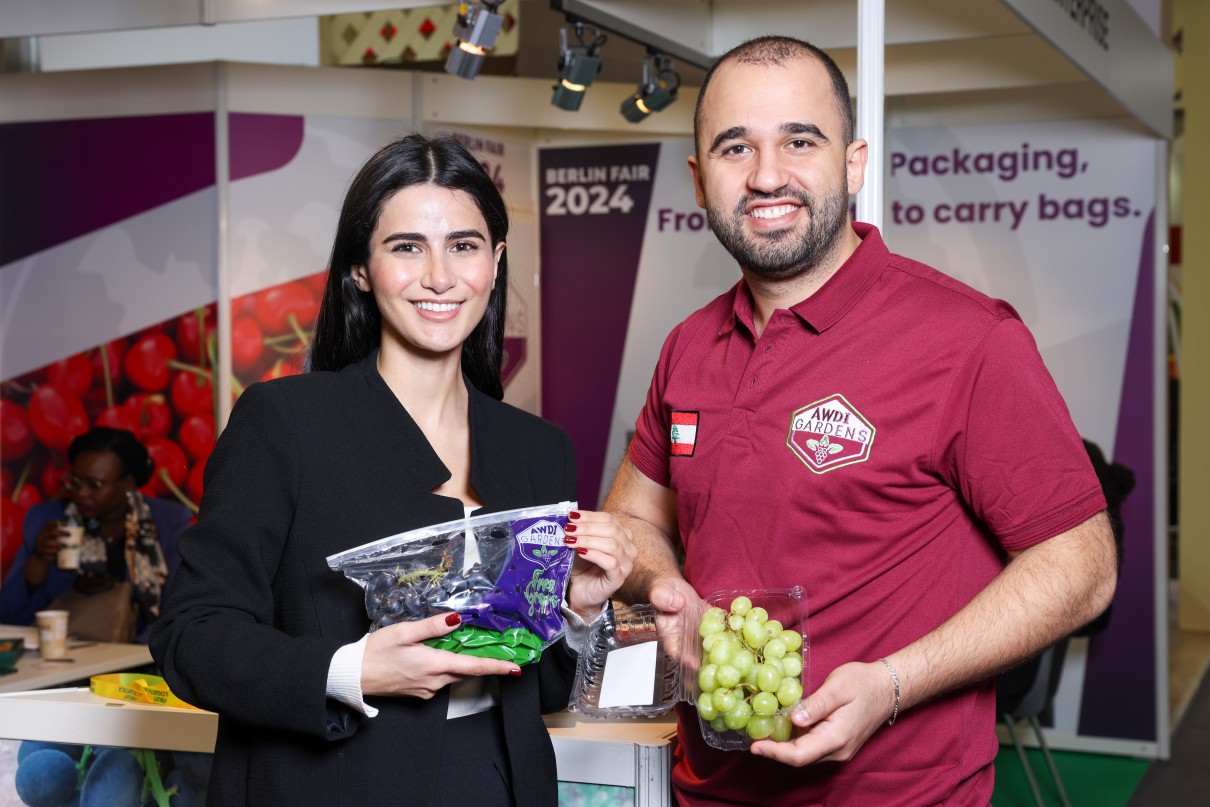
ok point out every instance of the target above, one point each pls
(751, 673)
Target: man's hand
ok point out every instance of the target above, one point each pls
(678, 610)
(838, 717)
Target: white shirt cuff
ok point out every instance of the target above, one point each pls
(344, 677)
(575, 629)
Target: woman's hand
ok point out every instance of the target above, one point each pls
(397, 663)
(605, 554)
(45, 554)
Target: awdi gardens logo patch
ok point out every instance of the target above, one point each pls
(830, 434)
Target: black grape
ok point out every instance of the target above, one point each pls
(29, 746)
(114, 780)
(46, 778)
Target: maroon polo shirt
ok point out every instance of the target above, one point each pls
(881, 444)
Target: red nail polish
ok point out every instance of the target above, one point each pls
(515, 671)
(569, 539)
(453, 619)
(570, 528)
(573, 514)
(582, 551)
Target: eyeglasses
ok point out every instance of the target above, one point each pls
(73, 481)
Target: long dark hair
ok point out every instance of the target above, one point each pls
(349, 326)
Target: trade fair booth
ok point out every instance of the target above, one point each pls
(171, 223)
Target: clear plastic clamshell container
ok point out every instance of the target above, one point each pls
(743, 682)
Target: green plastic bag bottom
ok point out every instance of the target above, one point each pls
(515, 644)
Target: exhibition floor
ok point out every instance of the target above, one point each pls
(1100, 780)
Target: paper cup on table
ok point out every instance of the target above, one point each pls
(52, 633)
(70, 540)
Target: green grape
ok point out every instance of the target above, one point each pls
(775, 648)
(735, 622)
(738, 717)
(719, 724)
(757, 614)
(750, 676)
(705, 709)
(711, 625)
(760, 727)
(792, 638)
(769, 677)
(744, 661)
(723, 651)
(724, 700)
(782, 728)
(707, 678)
(791, 665)
(764, 703)
(754, 634)
(715, 612)
(741, 605)
(710, 639)
(788, 692)
(727, 676)
(774, 627)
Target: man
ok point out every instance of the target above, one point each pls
(852, 421)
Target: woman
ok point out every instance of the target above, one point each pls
(397, 426)
(127, 538)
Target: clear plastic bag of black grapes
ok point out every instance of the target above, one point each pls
(505, 574)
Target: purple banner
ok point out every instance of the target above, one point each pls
(1120, 660)
(594, 212)
(63, 179)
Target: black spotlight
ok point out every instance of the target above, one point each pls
(476, 31)
(656, 91)
(578, 66)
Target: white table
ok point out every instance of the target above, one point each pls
(86, 660)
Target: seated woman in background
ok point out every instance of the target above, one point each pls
(127, 538)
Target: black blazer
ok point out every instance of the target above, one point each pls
(308, 466)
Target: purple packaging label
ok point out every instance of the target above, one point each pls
(529, 591)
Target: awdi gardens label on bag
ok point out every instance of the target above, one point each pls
(830, 434)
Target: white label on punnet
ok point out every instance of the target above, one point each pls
(629, 677)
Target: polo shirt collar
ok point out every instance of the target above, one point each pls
(828, 304)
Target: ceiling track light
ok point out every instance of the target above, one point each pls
(475, 30)
(656, 91)
(579, 64)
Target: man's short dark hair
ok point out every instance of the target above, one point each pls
(777, 51)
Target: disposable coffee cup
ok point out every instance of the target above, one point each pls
(52, 633)
(70, 539)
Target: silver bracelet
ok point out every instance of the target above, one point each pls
(895, 681)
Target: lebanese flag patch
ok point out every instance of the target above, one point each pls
(684, 433)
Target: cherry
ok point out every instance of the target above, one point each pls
(57, 417)
(196, 436)
(26, 496)
(192, 393)
(52, 475)
(16, 436)
(193, 486)
(147, 362)
(280, 369)
(194, 330)
(119, 417)
(73, 374)
(152, 417)
(247, 343)
(169, 461)
(289, 306)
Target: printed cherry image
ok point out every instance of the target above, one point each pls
(147, 362)
(16, 436)
(73, 374)
(57, 417)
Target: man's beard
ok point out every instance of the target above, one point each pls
(777, 255)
